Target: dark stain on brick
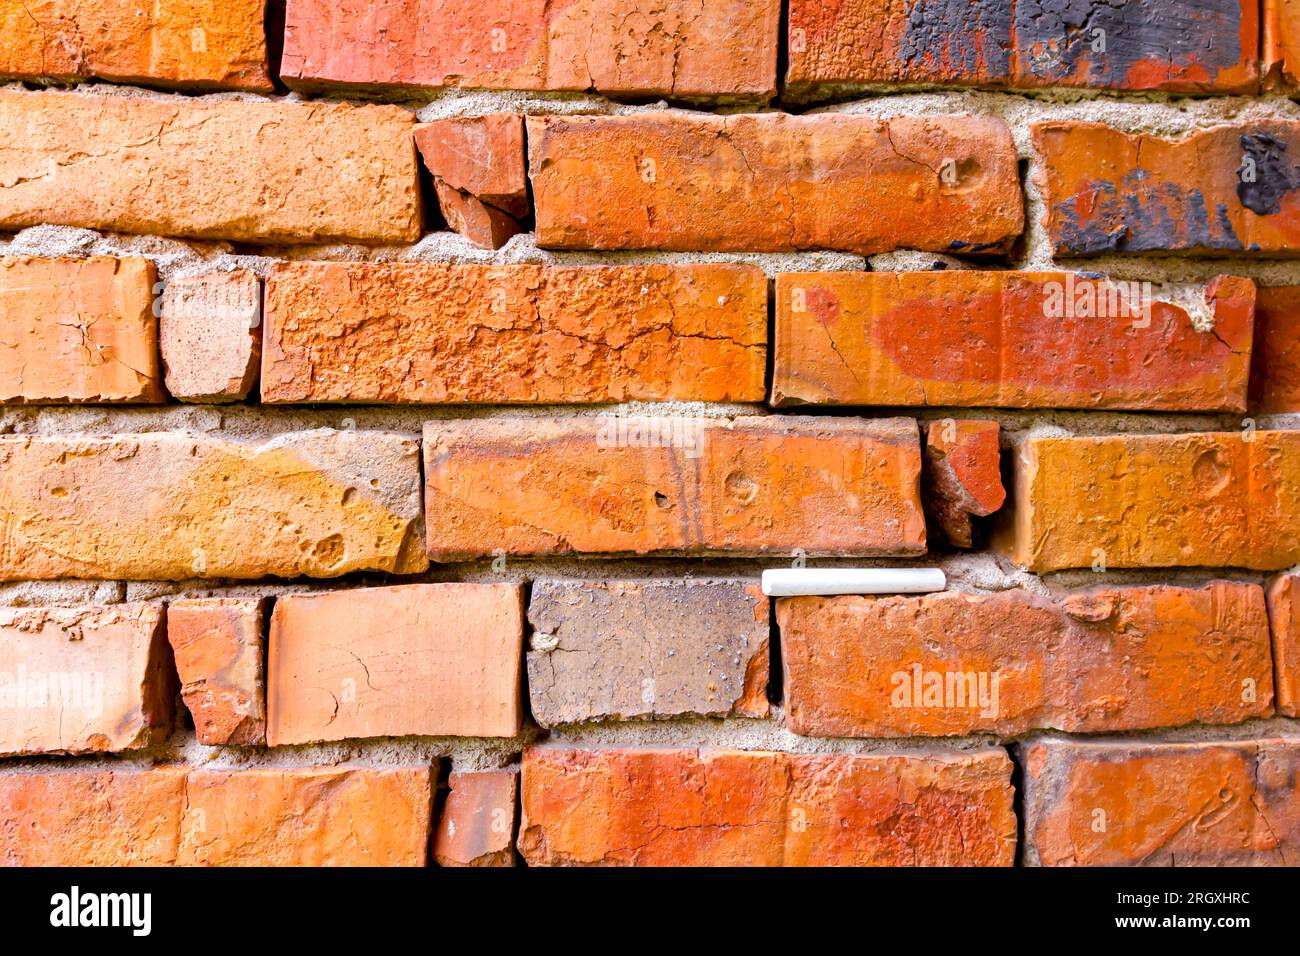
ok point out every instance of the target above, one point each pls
(1161, 33)
(1139, 216)
(960, 37)
(1267, 176)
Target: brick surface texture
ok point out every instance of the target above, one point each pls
(415, 416)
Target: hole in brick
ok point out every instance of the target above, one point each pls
(661, 500)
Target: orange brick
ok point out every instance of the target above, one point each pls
(756, 808)
(83, 679)
(172, 506)
(168, 815)
(1285, 625)
(481, 155)
(1109, 659)
(181, 44)
(1107, 191)
(773, 182)
(1149, 803)
(1006, 339)
(314, 816)
(218, 647)
(417, 659)
(210, 331)
(1218, 499)
(78, 330)
(611, 484)
(1186, 46)
(250, 171)
(962, 475)
(477, 825)
(414, 332)
(1282, 44)
(672, 48)
(1275, 358)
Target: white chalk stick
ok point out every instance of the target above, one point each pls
(792, 582)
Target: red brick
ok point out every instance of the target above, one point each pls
(1275, 358)
(1027, 340)
(210, 331)
(478, 222)
(962, 476)
(1285, 624)
(609, 484)
(413, 332)
(773, 182)
(171, 506)
(477, 825)
(757, 808)
(83, 679)
(1111, 659)
(1108, 191)
(481, 155)
(311, 816)
(723, 49)
(78, 330)
(417, 659)
(701, 650)
(1184, 46)
(247, 170)
(1282, 44)
(1216, 499)
(181, 44)
(219, 651)
(1149, 803)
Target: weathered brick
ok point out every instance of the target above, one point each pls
(1149, 803)
(313, 816)
(756, 808)
(673, 48)
(78, 330)
(1285, 624)
(477, 825)
(217, 643)
(700, 649)
(1230, 189)
(1101, 660)
(962, 475)
(610, 484)
(253, 171)
(474, 219)
(1282, 44)
(173, 506)
(430, 333)
(210, 331)
(83, 679)
(316, 816)
(417, 659)
(1275, 355)
(1185, 46)
(1216, 499)
(181, 44)
(772, 182)
(1008, 339)
(481, 155)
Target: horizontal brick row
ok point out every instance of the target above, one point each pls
(729, 808)
(1133, 802)
(722, 51)
(83, 330)
(1111, 659)
(382, 662)
(175, 815)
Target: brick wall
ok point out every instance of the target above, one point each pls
(402, 400)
